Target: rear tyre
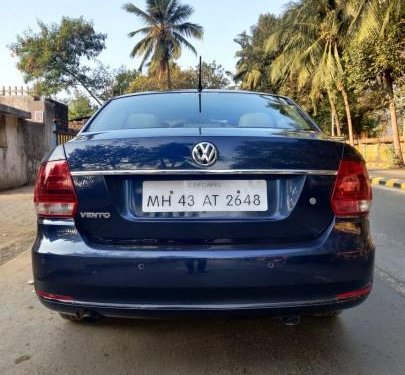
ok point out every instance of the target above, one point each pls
(328, 314)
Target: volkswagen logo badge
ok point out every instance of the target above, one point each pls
(204, 154)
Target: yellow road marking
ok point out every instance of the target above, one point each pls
(376, 180)
(391, 182)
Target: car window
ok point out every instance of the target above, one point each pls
(187, 110)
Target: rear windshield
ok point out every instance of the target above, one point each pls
(188, 110)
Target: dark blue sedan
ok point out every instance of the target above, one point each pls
(181, 203)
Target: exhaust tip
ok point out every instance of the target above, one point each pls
(88, 316)
(289, 320)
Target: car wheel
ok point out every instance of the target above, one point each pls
(328, 314)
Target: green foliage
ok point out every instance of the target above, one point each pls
(165, 34)
(53, 57)
(308, 44)
(123, 78)
(144, 83)
(322, 115)
(368, 61)
(379, 60)
(320, 52)
(80, 106)
(253, 59)
(213, 77)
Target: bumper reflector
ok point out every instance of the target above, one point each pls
(54, 297)
(355, 293)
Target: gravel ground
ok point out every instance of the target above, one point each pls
(17, 222)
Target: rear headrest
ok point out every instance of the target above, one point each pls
(255, 119)
(142, 120)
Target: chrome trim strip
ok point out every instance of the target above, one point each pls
(57, 222)
(130, 172)
(217, 307)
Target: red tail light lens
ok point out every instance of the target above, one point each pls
(54, 194)
(352, 193)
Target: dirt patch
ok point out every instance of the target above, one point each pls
(21, 359)
(17, 222)
(9, 252)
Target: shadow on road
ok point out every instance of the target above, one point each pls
(228, 346)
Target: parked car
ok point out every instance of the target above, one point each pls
(191, 202)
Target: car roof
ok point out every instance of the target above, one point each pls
(205, 91)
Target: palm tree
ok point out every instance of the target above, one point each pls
(310, 40)
(248, 72)
(375, 20)
(253, 60)
(165, 33)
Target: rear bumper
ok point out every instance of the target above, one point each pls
(71, 275)
(164, 311)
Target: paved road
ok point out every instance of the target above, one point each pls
(369, 339)
(388, 230)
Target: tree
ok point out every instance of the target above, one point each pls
(213, 77)
(144, 83)
(164, 35)
(150, 82)
(53, 58)
(309, 43)
(248, 72)
(123, 78)
(80, 106)
(253, 60)
(376, 56)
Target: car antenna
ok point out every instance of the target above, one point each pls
(200, 87)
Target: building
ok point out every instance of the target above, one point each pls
(26, 135)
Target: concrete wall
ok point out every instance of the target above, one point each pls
(26, 145)
(36, 145)
(379, 153)
(28, 141)
(41, 111)
(13, 156)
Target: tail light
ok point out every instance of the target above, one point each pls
(54, 194)
(352, 193)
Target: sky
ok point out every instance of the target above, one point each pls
(222, 21)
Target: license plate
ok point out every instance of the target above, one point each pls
(204, 196)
